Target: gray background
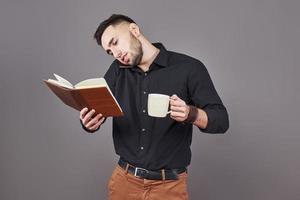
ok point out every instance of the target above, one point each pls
(250, 47)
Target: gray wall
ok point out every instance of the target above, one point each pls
(250, 47)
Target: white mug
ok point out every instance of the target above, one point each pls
(158, 105)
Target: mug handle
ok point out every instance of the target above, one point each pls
(169, 104)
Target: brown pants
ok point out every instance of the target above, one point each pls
(125, 186)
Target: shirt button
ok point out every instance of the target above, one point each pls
(143, 130)
(145, 74)
(142, 148)
(144, 111)
(144, 92)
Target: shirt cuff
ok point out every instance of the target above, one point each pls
(217, 121)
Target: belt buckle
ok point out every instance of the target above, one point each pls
(138, 168)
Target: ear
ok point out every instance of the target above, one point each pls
(134, 29)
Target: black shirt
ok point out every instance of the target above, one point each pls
(156, 143)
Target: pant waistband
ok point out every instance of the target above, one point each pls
(163, 174)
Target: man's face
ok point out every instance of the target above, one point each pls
(119, 42)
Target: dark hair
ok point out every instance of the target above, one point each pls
(114, 19)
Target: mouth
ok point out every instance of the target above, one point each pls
(124, 59)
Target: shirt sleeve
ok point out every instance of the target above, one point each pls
(204, 96)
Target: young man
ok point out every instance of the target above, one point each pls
(154, 152)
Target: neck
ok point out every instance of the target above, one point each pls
(149, 54)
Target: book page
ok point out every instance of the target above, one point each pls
(90, 83)
(63, 81)
(60, 83)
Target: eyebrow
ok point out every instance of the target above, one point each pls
(109, 43)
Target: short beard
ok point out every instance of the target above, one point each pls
(137, 51)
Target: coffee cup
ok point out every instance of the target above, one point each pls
(158, 105)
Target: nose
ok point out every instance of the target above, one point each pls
(117, 53)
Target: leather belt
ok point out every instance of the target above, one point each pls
(167, 174)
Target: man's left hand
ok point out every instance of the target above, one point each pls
(179, 109)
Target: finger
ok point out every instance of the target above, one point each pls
(177, 114)
(94, 120)
(94, 127)
(102, 119)
(177, 108)
(88, 116)
(174, 97)
(177, 118)
(83, 112)
(177, 102)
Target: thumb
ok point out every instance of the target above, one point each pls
(174, 97)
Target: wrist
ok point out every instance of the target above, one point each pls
(193, 114)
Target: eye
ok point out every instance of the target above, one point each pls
(109, 52)
(115, 42)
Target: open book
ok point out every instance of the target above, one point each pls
(91, 93)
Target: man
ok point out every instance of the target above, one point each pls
(154, 152)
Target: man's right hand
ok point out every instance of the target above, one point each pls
(91, 123)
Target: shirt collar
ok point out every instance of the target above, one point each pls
(162, 57)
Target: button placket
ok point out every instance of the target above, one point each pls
(144, 92)
(144, 98)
